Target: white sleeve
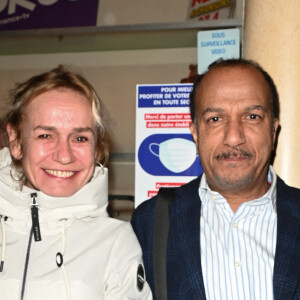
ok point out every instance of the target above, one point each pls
(125, 276)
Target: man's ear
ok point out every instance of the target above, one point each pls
(194, 133)
(274, 130)
(14, 143)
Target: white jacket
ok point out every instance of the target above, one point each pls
(100, 256)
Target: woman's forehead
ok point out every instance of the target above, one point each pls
(61, 106)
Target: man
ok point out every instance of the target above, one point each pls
(234, 232)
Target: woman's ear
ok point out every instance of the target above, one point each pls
(14, 143)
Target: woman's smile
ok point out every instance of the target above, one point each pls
(59, 173)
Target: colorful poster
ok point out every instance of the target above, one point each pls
(215, 44)
(37, 14)
(210, 9)
(166, 154)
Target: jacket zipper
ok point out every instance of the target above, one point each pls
(35, 218)
(26, 265)
(35, 231)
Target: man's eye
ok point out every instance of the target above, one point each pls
(214, 119)
(253, 117)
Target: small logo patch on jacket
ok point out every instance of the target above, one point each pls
(140, 280)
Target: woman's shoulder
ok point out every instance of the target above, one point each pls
(5, 157)
(114, 228)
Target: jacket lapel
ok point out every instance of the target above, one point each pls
(287, 256)
(185, 224)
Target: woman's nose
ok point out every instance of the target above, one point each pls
(63, 153)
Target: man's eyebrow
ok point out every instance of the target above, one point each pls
(255, 107)
(219, 110)
(212, 109)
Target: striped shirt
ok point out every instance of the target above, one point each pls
(238, 249)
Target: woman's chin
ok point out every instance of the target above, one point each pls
(59, 193)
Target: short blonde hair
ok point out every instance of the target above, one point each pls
(58, 78)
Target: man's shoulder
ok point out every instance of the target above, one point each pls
(187, 188)
(282, 187)
(191, 187)
(186, 191)
(288, 201)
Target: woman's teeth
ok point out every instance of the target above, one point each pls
(61, 174)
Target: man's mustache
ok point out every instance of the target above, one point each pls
(234, 153)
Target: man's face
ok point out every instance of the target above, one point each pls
(235, 133)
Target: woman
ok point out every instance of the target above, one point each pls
(57, 239)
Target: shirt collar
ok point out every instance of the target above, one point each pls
(270, 194)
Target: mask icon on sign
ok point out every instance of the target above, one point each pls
(177, 154)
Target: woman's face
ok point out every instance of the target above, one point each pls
(58, 143)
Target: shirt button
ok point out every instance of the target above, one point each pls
(237, 264)
(234, 225)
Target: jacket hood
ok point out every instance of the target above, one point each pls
(89, 201)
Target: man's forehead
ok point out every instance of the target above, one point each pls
(227, 76)
(234, 87)
(242, 70)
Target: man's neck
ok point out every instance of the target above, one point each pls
(236, 197)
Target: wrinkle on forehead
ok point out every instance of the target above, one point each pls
(228, 84)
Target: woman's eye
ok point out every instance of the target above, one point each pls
(44, 136)
(81, 139)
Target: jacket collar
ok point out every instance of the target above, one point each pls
(89, 201)
(185, 233)
(286, 276)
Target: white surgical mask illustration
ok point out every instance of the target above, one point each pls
(177, 154)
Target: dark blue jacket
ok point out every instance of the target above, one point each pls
(184, 272)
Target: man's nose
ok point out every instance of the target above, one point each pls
(63, 153)
(234, 134)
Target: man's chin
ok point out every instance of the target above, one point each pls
(233, 182)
